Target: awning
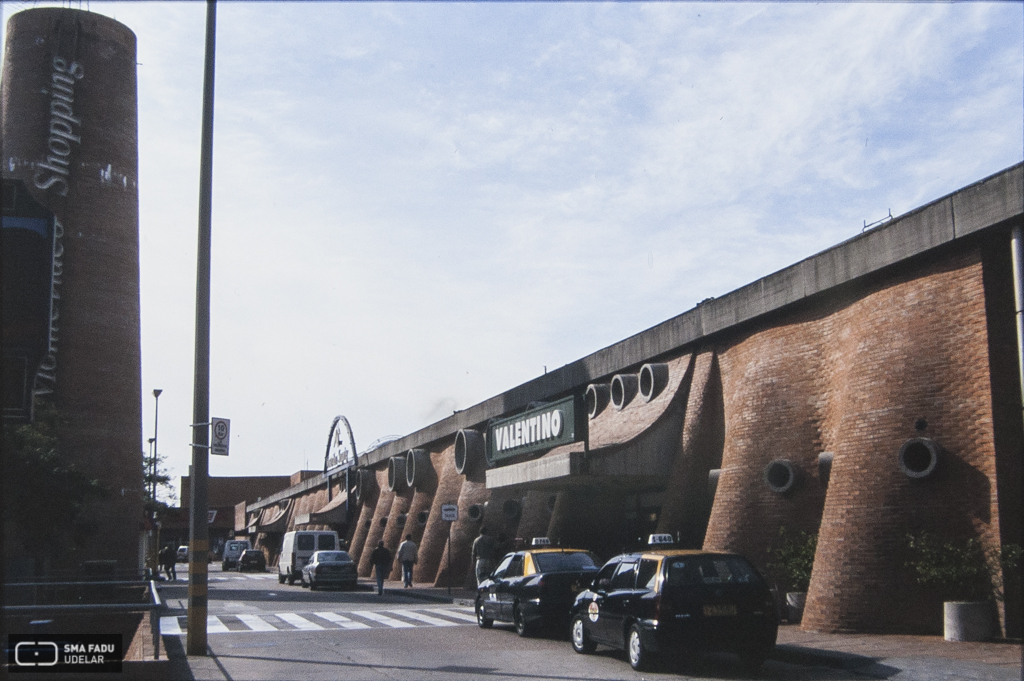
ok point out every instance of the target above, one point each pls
(333, 513)
(274, 518)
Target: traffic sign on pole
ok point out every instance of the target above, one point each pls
(221, 434)
(449, 512)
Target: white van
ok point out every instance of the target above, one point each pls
(297, 547)
(232, 552)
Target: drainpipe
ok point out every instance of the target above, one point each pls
(1017, 254)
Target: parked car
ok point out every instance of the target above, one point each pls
(297, 548)
(233, 550)
(676, 602)
(182, 555)
(252, 560)
(330, 568)
(534, 589)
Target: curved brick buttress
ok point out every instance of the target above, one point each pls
(393, 533)
(362, 526)
(435, 534)
(894, 357)
(376, 531)
(687, 502)
(536, 517)
(463, 532)
(770, 386)
(421, 502)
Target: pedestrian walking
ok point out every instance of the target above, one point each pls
(407, 557)
(168, 559)
(381, 559)
(483, 555)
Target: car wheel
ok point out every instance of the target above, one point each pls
(581, 642)
(484, 622)
(280, 578)
(291, 580)
(523, 628)
(312, 585)
(639, 657)
(302, 580)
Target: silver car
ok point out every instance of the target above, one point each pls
(329, 568)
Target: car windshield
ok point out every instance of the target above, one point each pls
(333, 557)
(693, 570)
(563, 562)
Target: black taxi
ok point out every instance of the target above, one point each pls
(672, 602)
(534, 588)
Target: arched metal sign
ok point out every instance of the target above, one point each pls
(341, 447)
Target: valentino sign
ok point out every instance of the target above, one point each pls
(536, 429)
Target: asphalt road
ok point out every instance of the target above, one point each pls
(261, 630)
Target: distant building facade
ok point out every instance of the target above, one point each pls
(70, 216)
(866, 393)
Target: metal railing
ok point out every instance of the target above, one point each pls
(106, 590)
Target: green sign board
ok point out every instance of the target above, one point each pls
(536, 429)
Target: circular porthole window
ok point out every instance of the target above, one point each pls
(475, 513)
(511, 509)
(421, 518)
(918, 457)
(400, 520)
(780, 476)
(383, 522)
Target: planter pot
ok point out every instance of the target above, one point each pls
(795, 601)
(969, 620)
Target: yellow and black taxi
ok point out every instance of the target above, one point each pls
(669, 602)
(535, 588)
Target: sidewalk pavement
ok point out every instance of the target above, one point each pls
(878, 656)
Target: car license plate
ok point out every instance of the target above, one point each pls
(719, 610)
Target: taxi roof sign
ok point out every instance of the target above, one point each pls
(660, 539)
(540, 541)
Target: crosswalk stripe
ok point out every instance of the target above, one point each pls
(419, 616)
(256, 623)
(215, 626)
(298, 621)
(341, 620)
(456, 614)
(169, 626)
(383, 619)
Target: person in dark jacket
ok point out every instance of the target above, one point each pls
(381, 559)
(168, 558)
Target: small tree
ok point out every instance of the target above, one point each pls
(152, 504)
(792, 558)
(44, 494)
(961, 569)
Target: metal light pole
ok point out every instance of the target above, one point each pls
(153, 454)
(199, 541)
(152, 472)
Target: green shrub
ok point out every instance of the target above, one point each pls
(961, 569)
(792, 558)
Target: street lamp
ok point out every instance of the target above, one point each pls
(156, 425)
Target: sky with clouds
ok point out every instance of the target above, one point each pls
(418, 206)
